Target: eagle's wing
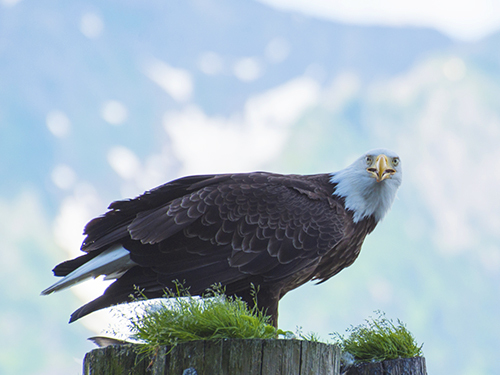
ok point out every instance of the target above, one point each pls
(263, 224)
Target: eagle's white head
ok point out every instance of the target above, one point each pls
(369, 185)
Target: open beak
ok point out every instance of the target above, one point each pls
(380, 169)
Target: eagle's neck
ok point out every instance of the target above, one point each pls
(363, 194)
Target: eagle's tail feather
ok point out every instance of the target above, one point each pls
(112, 262)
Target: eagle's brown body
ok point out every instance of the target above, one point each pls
(275, 232)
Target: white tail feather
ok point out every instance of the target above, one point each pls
(112, 262)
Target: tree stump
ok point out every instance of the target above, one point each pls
(230, 356)
(402, 366)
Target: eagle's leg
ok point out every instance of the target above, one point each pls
(267, 300)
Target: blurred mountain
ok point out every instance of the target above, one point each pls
(102, 100)
(227, 51)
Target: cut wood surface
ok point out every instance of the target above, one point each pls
(230, 356)
(401, 366)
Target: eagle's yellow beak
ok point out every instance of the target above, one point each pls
(380, 169)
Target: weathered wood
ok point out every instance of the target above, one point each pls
(280, 357)
(185, 356)
(226, 357)
(239, 356)
(114, 360)
(213, 355)
(317, 358)
(402, 366)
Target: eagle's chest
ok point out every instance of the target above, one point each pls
(345, 252)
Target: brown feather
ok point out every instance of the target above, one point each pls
(275, 231)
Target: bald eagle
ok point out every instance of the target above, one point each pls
(273, 231)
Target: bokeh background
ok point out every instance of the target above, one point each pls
(101, 100)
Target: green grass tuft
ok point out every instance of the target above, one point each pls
(309, 336)
(185, 318)
(378, 340)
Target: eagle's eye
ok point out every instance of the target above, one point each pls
(395, 162)
(369, 160)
